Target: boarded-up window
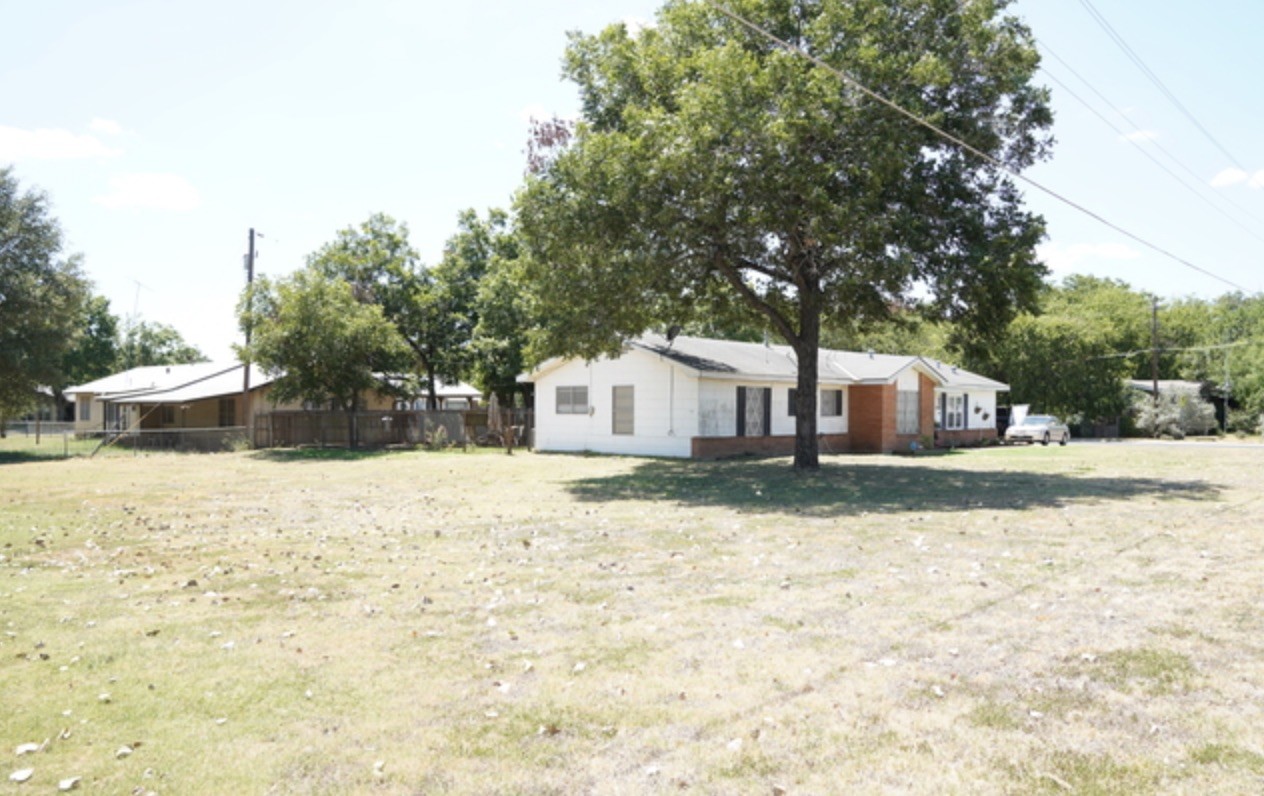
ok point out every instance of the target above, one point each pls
(227, 412)
(624, 406)
(572, 400)
(754, 411)
(831, 403)
(906, 412)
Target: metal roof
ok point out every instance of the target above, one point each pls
(150, 377)
(216, 385)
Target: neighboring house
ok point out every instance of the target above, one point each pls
(213, 401)
(96, 407)
(700, 398)
(456, 397)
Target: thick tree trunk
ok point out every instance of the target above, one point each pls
(807, 349)
(432, 400)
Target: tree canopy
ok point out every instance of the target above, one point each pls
(152, 343)
(323, 344)
(42, 296)
(712, 168)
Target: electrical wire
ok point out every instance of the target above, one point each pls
(868, 92)
(1153, 78)
(1198, 179)
(1152, 158)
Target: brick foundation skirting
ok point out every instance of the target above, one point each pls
(725, 447)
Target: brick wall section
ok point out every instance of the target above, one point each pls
(725, 447)
(871, 421)
(925, 415)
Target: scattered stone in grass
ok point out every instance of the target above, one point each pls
(379, 769)
(27, 748)
(221, 721)
(123, 751)
(735, 745)
(22, 775)
(579, 667)
(69, 783)
(105, 698)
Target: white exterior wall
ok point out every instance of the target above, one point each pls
(909, 381)
(665, 401)
(987, 402)
(986, 399)
(717, 408)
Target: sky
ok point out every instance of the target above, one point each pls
(163, 132)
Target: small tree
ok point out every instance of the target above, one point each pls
(322, 344)
(1175, 414)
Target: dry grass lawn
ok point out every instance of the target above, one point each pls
(1084, 620)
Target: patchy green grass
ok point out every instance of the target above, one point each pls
(999, 621)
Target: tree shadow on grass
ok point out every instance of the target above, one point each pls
(320, 454)
(853, 488)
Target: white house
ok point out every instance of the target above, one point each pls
(701, 398)
(965, 406)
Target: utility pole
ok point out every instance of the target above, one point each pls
(1154, 349)
(247, 418)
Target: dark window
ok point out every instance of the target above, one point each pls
(831, 403)
(227, 412)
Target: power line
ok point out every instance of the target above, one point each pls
(1198, 179)
(1179, 350)
(1153, 159)
(1159, 84)
(868, 92)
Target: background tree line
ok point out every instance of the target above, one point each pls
(54, 332)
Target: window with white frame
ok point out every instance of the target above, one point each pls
(955, 412)
(85, 409)
(572, 400)
(907, 411)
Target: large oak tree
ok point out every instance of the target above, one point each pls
(712, 167)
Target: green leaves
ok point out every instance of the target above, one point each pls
(325, 345)
(712, 167)
(42, 296)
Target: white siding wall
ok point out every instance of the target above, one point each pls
(987, 403)
(717, 409)
(986, 400)
(665, 405)
(909, 380)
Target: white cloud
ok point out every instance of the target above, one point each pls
(1066, 258)
(105, 126)
(1140, 136)
(150, 191)
(50, 144)
(1228, 177)
(1257, 179)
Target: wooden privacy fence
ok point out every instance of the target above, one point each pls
(385, 428)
